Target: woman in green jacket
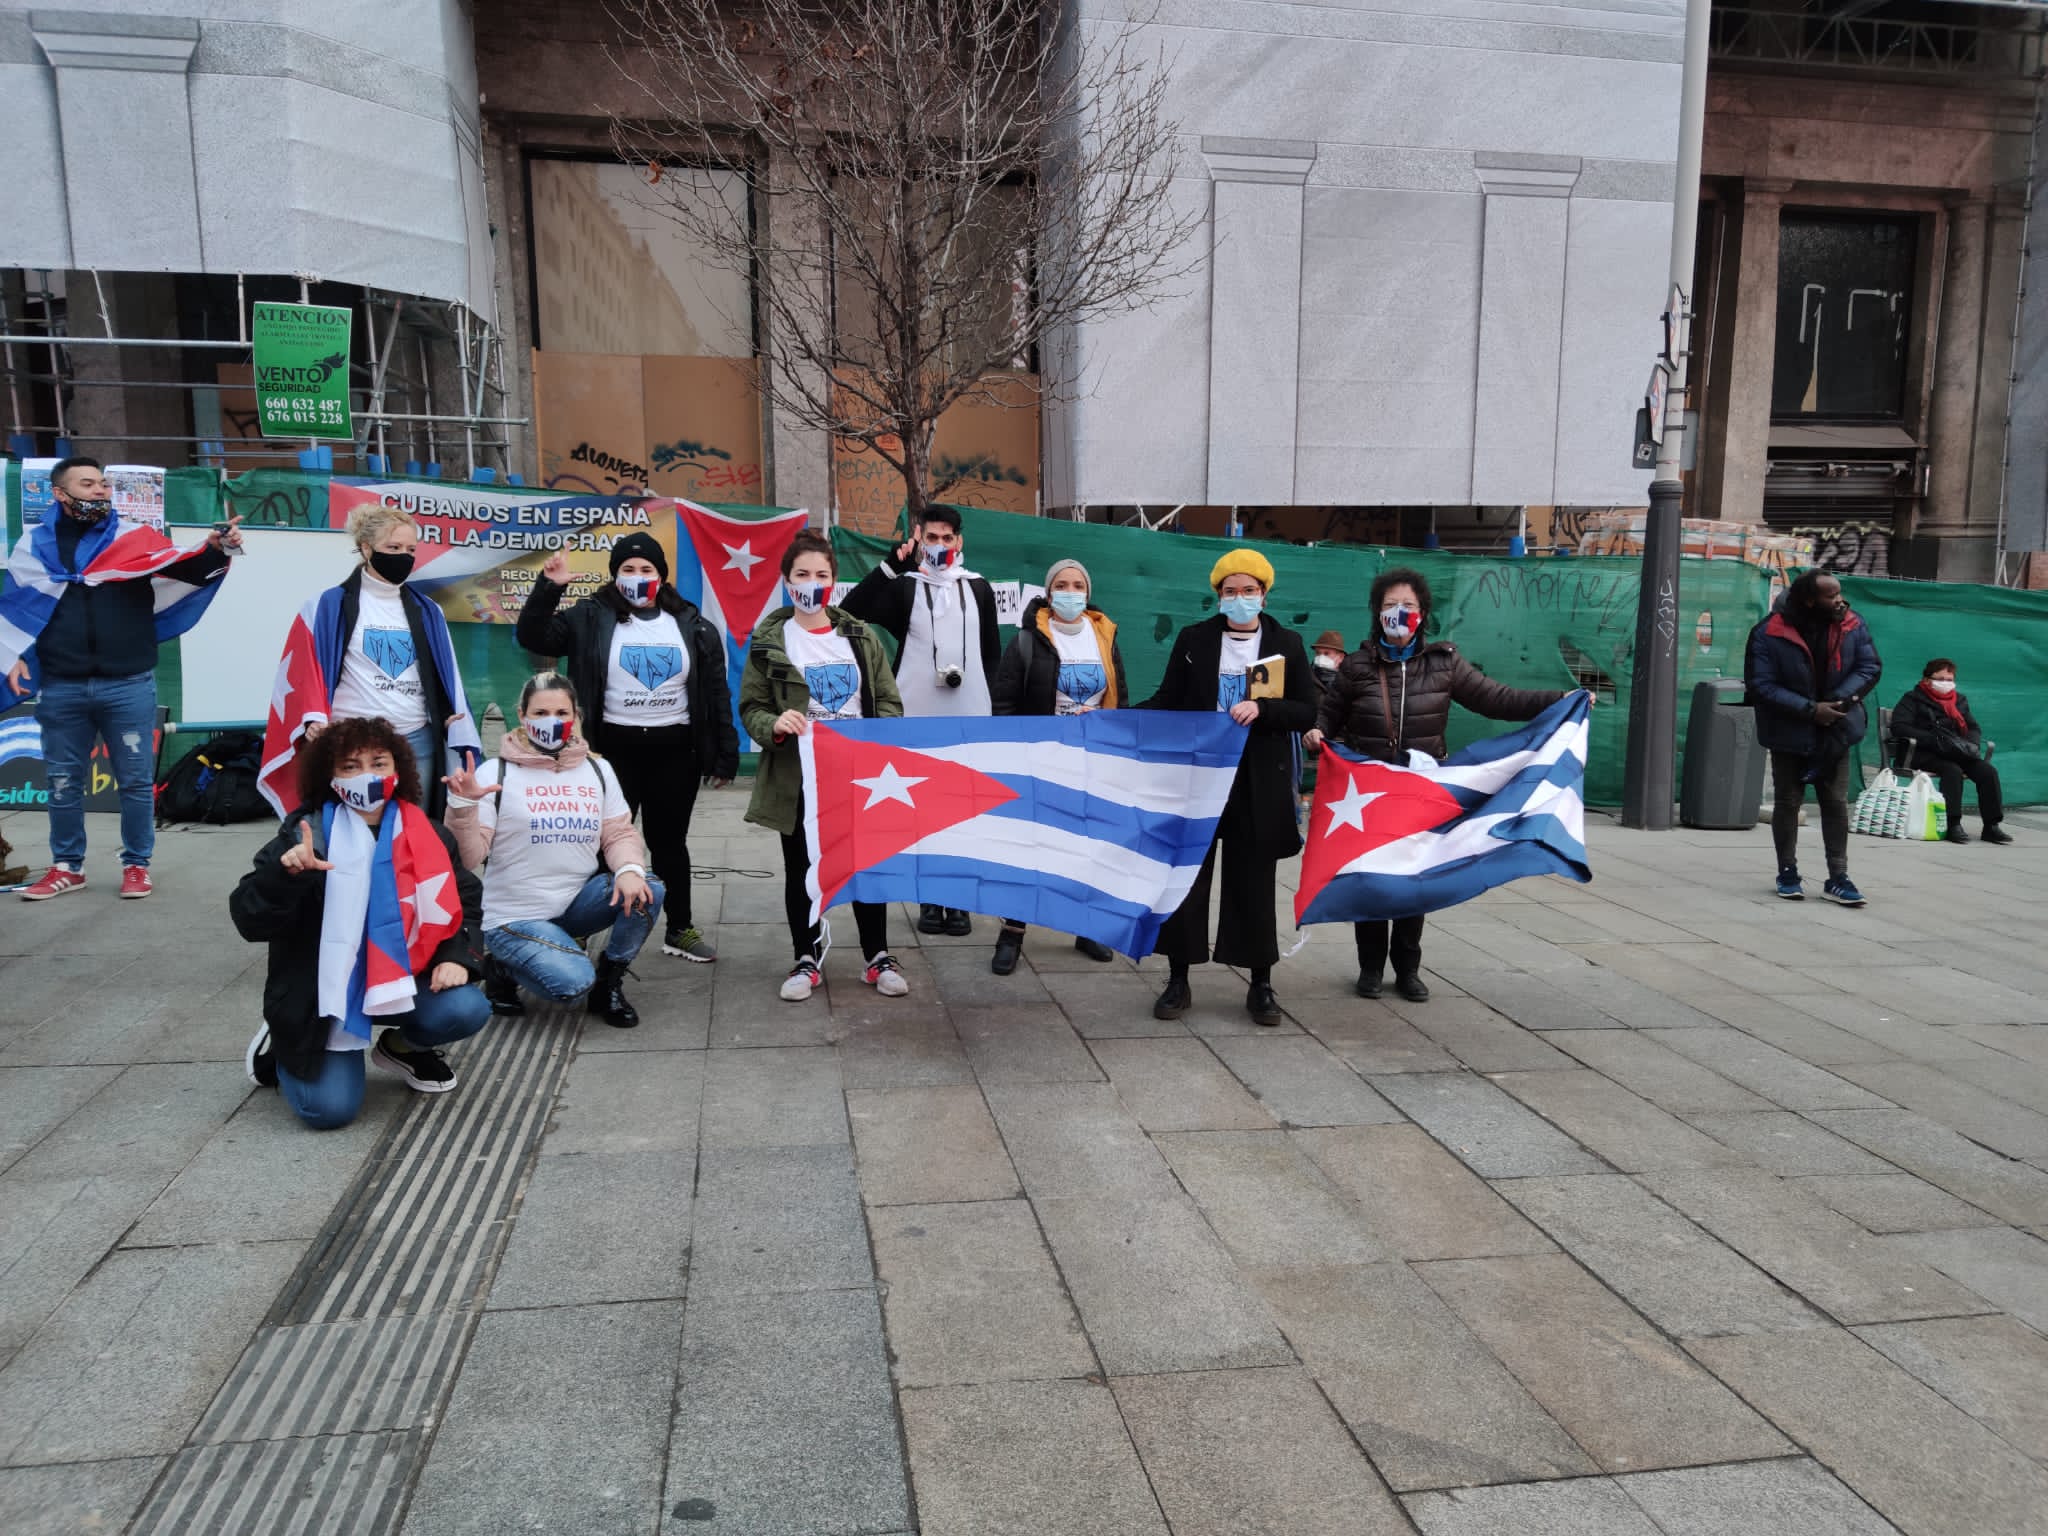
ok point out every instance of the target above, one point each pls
(812, 662)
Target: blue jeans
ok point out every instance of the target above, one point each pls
(548, 958)
(335, 1097)
(121, 711)
(430, 764)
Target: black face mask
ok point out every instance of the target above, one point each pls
(393, 568)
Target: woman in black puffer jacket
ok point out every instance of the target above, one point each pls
(1393, 694)
(1064, 661)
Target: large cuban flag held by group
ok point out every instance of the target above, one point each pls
(731, 568)
(1387, 841)
(1094, 825)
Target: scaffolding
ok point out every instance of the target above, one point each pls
(411, 350)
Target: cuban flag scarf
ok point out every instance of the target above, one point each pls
(109, 550)
(390, 903)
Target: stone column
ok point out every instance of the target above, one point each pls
(1736, 453)
(1958, 341)
(2003, 254)
(1254, 316)
(796, 458)
(1521, 326)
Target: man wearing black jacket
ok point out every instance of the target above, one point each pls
(943, 619)
(96, 660)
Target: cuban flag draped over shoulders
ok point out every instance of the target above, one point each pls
(111, 550)
(731, 568)
(1094, 825)
(393, 905)
(310, 669)
(1388, 841)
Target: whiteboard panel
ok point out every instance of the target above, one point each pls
(229, 661)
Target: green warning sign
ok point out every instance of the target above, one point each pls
(302, 353)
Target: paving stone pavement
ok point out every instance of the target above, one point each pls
(1678, 1211)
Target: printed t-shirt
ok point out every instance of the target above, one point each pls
(380, 674)
(825, 657)
(1084, 679)
(649, 677)
(544, 846)
(1239, 652)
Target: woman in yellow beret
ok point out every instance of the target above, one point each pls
(1210, 668)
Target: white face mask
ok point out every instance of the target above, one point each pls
(938, 559)
(1942, 685)
(1326, 663)
(1399, 622)
(637, 590)
(364, 792)
(549, 732)
(809, 597)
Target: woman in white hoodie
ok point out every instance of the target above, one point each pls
(564, 861)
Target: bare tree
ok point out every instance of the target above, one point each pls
(941, 188)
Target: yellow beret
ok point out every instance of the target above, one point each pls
(1243, 562)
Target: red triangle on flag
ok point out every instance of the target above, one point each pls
(742, 560)
(1360, 807)
(874, 801)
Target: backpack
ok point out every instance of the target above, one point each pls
(216, 782)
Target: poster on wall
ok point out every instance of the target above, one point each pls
(38, 501)
(301, 354)
(138, 492)
(481, 549)
(23, 785)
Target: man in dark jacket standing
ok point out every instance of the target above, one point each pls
(94, 657)
(1808, 668)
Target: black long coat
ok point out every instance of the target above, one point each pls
(1262, 801)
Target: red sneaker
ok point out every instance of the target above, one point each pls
(134, 882)
(58, 882)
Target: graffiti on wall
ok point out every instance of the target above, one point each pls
(1850, 549)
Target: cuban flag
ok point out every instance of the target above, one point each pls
(310, 669)
(390, 902)
(1094, 825)
(731, 568)
(1386, 841)
(111, 550)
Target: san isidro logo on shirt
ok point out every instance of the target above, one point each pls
(832, 685)
(1082, 680)
(390, 651)
(651, 665)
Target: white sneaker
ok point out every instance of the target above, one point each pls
(802, 981)
(886, 976)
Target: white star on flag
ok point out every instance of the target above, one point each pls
(1350, 810)
(888, 785)
(743, 559)
(425, 902)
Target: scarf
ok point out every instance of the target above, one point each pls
(108, 550)
(390, 904)
(1949, 707)
(1398, 653)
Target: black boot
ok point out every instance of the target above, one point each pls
(931, 919)
(607, 997)
(500, 989)
(1095, 951)
(1370, 984)
(1996, 834)
(1412, 987)
(1262, 1005)
(958, 924)
(1009, 945)
(1176, 999)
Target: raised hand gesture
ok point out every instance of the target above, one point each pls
(557, 569)
(463, 783)
(302, 857)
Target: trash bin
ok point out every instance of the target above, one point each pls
(1724, 762)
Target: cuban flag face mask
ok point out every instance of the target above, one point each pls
(364, 792)
(1399, 623)
(549, 732)
(637, 590)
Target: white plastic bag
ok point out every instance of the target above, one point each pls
(1881, 810)
(1926, 811)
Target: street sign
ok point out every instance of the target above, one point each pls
(1676, 341)
(1654, 397)
(301, 365)
(1645, 454)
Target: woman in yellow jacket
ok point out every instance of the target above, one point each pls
(1064, 661)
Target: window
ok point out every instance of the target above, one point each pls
(1845, 313)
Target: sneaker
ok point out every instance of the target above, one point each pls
(58, 882)
(424, 1070)
(1790, 886)
(690, 944)
(259, 1062)
(1843, 891)
(1996, 833)
(886, 976)
(802, 981)
(135, 882)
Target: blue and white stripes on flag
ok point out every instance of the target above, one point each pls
(1387, 841)
(1094, 825)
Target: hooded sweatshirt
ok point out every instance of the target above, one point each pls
(559, 819)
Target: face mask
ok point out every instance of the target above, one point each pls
(637, 590)
(88, 512)
(809, 597)
(1068, 606)
(1400, 622)
(1242, 610)
(939, 558)
(393, 568)
(1326, 663)
(1941, 687)
(365, 791)
(550, 733)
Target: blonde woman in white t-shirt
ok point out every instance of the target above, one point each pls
(564, 861)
